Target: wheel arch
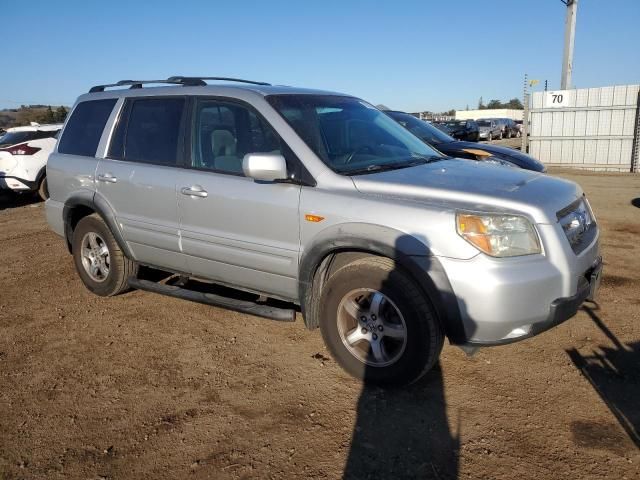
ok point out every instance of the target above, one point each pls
(87, 203)
(342, 244)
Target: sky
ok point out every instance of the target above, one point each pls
(409, 55)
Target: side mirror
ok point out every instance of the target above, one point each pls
(266, 167)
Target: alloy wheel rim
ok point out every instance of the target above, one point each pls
(371, 327)
(95, 256)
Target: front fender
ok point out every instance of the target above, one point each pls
(407, 250)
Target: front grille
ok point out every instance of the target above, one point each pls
(578, 224)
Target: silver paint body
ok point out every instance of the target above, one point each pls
(253, 235)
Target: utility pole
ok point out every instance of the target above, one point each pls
(569, 40)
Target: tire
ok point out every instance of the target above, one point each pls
(518, 134)
(403, 311)
(110, 278)
(43, 189)
(500, 136)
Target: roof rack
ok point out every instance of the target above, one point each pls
(176, 80)
(201, 79)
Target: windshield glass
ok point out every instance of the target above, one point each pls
(483, 123)
(11, 138)
(421, 129)
(349, 135)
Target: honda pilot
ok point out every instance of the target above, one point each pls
(317, 202)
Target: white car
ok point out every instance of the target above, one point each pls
(23, 158)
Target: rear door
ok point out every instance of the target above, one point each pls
(72, 166)
(234, 229)
(138, 177)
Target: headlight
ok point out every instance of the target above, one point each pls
(498, 235)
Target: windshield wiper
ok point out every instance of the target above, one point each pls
(374, 168)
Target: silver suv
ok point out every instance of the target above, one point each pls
(321, 200)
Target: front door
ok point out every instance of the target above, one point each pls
(233, 229)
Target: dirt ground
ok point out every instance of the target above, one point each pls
(145, 386)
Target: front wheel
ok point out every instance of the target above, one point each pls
(378, 324)
(101, 264)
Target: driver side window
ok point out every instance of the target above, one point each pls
(224, 132)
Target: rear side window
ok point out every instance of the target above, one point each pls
(84, 128)
(149, 131)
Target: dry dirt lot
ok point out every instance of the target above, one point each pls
(144, 386)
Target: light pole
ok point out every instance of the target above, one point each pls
(569, 40)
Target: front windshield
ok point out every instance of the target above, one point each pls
(349, 135)
(421, 129)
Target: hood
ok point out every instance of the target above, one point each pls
(516, 157)
(475, 185)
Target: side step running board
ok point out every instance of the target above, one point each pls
(252, 308)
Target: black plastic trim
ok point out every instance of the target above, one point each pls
(412, 255)
(29, 183)
(96, 203)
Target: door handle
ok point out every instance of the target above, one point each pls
(194, 191)
(107, 177)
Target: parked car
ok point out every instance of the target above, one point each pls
(510, 129)
(519, 127)
(23, 158)
(489, 129)
(321, 200)
(442, 127)
(464, 130)
(454, 148)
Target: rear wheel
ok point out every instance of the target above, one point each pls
(101, 265)
(378, 324)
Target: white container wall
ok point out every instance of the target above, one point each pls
(589, 128)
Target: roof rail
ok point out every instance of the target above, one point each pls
(176, 80)
(226, 79)
(133, 84)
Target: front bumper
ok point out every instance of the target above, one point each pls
(506, 300)
(561, 310)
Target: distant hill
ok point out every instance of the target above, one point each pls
(17, 117)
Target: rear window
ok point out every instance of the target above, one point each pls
(84, 128)
(12, 138)
(151, 133)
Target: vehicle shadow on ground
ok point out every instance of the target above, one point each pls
(403, 432)
(11, 200)
(614, 373)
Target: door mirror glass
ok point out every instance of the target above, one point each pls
(266, 167)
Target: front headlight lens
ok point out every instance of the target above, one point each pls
(498, 235)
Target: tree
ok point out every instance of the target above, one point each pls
(48, 116)
(481, 104)
(450, 113)
(514, 104)
(60, 114)
(493, 104)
